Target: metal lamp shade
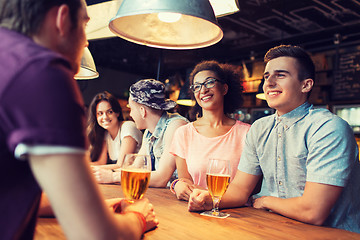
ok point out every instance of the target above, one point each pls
(185, 97)
(260, 94)
(87, 67)
(137, 21)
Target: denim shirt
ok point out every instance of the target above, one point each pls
(157, 138)
(303, 145)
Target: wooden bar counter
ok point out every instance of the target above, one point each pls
(177, 223)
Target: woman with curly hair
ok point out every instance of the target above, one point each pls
(217, 90)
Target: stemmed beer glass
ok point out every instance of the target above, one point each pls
(135, 175)
(217, 179)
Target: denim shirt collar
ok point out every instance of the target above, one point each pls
(295, 115)
(159, 127)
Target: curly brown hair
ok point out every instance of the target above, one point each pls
(228, 74)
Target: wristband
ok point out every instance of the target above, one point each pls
(172, 185)
(142, 219)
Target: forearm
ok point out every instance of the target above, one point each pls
(71, 202)
(158, 180)
(233, 197)
(313, 207)
(165, 169)
(240, 189)
(109, 166)
(294, 208)
(131, 226)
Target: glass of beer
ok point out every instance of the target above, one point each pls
(217, 179)
(135, 176)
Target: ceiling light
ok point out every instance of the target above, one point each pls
(138, 21)
(87, 67)
(100, 15)
(260, 93)
(225, 7)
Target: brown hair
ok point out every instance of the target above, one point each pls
(27, 16)
(229, 75)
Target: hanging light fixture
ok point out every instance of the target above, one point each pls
(87, 67)
(171, 24)
(225, 7)
(184, 96)
(260, 94)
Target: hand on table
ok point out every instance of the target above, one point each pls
(259, 202)
(103, 175)
(200, 200)
(183, 190)
(143, 206)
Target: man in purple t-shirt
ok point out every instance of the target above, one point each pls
(42, 141)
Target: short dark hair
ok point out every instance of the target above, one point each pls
(27, 16)
(306, 67)
(228, 74)
(94, 131)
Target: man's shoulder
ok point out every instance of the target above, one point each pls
(175, 118)
(264, 121)
(128, 124)
(19, 52)
(319, 117)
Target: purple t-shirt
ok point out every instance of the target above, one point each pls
(40, 104)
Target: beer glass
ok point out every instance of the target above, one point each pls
(217, 179)
(135, 175)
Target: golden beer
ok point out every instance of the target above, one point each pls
(134, 182)
(217, 184)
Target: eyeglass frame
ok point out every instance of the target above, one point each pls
(204, 84)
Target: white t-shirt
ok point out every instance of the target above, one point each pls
(128, 128)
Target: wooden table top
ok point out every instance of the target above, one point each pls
(177, 223)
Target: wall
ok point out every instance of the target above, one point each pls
(115, 82)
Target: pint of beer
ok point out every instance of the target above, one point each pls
(217, 184)
(134, 182)
(217, 180)
(135, 175)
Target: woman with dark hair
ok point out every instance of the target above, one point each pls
(110, 136)
(217, 90)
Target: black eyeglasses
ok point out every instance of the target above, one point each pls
(210, 83)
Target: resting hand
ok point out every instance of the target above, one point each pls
(259, 203)
(183, 190)
(116, 204)
(144, 207)
(104, 175)
(200, 200)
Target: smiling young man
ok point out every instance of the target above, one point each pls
(308, 157)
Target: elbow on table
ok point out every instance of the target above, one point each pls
(158, 184)
(315, 218)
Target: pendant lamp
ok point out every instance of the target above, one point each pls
(87, 67)
(170, 24)
(184, 96)
(260, 93)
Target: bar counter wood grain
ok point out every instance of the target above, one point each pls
(177, 223)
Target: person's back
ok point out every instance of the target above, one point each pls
(23, 89)
(42, 126)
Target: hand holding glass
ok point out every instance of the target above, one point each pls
(135, 175)
(217, 179)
